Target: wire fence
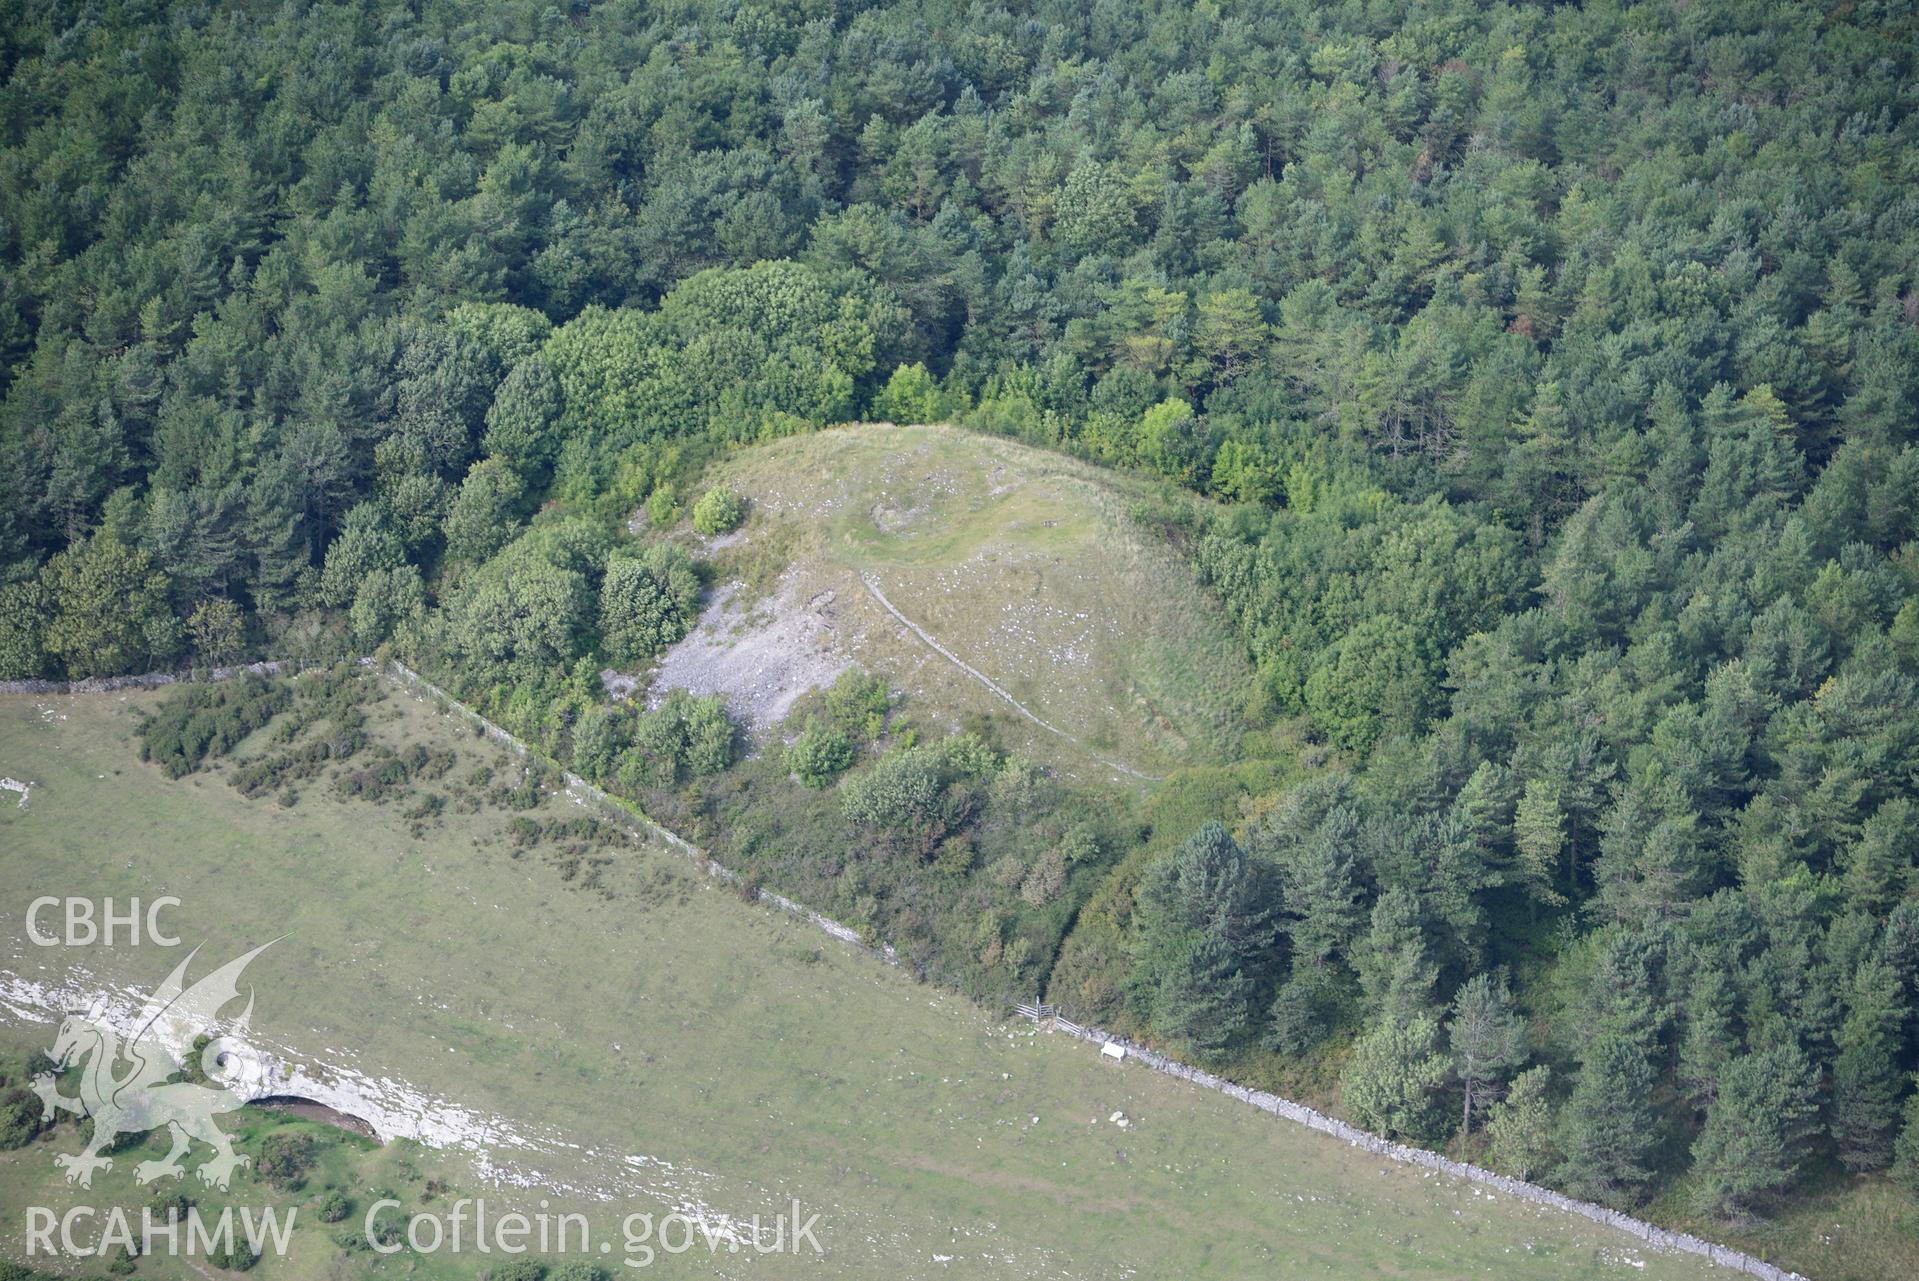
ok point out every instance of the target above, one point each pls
(146, 680)
(632, 820)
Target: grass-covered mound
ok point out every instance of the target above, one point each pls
(983, 579)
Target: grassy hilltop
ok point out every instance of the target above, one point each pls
(1030, 568)
(1426, 619)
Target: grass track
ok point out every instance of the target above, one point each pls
(1026, 565)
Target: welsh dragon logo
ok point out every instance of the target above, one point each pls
(148, 1093)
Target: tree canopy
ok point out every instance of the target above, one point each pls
(1551, 373)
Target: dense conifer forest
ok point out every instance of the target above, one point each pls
(1552, 373)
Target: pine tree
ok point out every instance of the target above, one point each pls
(1675, 467)
(520, 424)
(1396, 970)
(1901, 945)
(1484, 807)
(1519, 1130)
(1488, 1040)
(1207, 884)
(1539, 834)
(1392, 1084)
(1879, 865)
(1755, 1132)
(1905, 1152)
(1201, 1001)
(1609, 1127)
(1322, 894)
(1205, 934)
(1623, 993)
(1305, 1011)
(1865, 1077)
(1452, 873)
(1650, 858)
(1710, 1040)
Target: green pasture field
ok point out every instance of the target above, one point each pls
(626, 1036)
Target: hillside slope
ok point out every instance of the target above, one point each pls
(631, 1038)
(981, 578)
